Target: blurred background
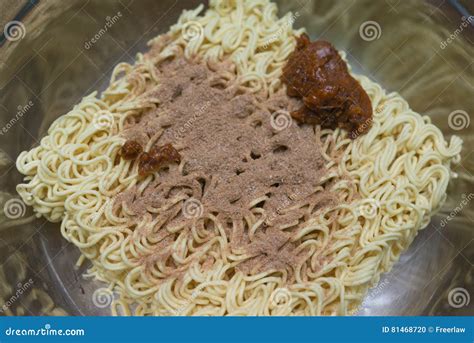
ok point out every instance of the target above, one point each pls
(52, 53)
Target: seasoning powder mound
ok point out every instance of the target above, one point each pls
(241, 155)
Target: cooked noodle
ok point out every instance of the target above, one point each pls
(399, 173)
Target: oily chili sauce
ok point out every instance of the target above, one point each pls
(332, 98)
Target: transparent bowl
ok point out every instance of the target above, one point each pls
(422, 49)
